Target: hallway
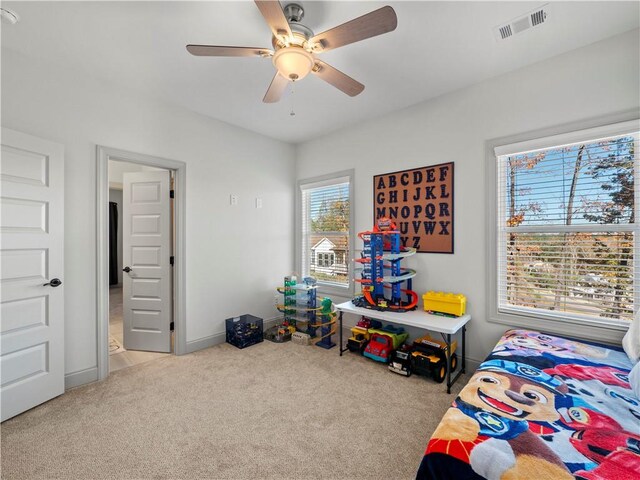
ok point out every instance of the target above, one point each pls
(119, 357)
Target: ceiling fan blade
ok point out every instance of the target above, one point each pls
(222, 51)
(272, 12)
(370, 25)
(338, 79)
(276, 89)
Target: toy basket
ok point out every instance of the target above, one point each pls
(244, 331)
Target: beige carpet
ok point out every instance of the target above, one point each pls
(268, 411)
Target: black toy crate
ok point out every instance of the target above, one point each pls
(244, 331)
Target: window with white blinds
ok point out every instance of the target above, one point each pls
(567, 229)
(326, 230)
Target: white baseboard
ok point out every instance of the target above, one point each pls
(82, 377)
(206, 342)
(472, 365)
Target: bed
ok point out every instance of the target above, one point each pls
(541, 407)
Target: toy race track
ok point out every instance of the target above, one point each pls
(328, 328)
(326, 336)
(381, 270)
(294, 308)
(318, 322)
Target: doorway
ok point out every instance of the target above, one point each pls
(127, 291)
(140, 241)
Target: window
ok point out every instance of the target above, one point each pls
(325, 259)
(567, 227)
(325, 220)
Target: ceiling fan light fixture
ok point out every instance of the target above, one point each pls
(295, 46)
(293, 63)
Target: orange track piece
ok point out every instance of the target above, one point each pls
(366, 293)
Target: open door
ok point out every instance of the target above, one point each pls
(146, 251)
(31, 254)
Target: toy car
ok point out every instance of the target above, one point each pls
(360, 334)
(429, 357)
(392, 329)
(383, 343)
(379, 348)
(366, 322)
(397, 335)
(358, 340)
(400, 361)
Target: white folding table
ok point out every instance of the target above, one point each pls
(419, 319)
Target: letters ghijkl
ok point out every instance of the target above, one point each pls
(420, 202)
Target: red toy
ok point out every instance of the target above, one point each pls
(616, 452)
(379, 347)
(366, 322)
(579, 418)
(607, 375)
(621, 464)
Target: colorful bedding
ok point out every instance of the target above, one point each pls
(541, 407)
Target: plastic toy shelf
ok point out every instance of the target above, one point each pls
(419, 319)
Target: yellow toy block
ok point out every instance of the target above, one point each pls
(452, 303)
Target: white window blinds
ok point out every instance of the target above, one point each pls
(567, 233)
(325, 231)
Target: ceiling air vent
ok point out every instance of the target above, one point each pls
(522, 23)
(505, 31)
(538, 17)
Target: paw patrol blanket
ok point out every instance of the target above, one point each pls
(542, 408)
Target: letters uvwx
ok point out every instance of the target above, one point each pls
(420, 202)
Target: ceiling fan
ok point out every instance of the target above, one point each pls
(295, 46)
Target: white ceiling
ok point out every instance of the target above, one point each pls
(437, 48)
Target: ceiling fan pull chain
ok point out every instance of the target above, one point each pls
(292, 113)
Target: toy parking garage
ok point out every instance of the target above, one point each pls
(381, 270)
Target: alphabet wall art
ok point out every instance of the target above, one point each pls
(420, 202)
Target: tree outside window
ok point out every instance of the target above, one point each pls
(567, 229)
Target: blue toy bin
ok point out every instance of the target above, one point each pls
(244, 330)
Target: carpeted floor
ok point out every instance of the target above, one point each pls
(268, 411)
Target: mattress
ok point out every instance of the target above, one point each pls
(541, 407)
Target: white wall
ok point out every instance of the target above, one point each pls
(594, 81)
(235, 255)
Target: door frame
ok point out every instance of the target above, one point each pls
(103, 155)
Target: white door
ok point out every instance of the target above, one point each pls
(31, 272)
(146, 251)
